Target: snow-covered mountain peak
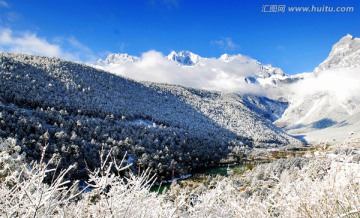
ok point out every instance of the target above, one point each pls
(118, 58)
(345, 39)
(269, 70)
(185, 58)
(345, 53)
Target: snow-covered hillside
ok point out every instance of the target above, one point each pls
(78, 109)
(324, 106)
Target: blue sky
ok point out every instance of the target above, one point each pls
(88, 30)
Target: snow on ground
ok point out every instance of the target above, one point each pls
(331, 135)
(344, 131)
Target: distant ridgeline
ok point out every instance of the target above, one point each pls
(78, 110)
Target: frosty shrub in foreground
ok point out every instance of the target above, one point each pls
(115, 196)
(326, 186)
(30, 194)
(10, 158)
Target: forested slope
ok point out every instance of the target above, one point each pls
(77, 110)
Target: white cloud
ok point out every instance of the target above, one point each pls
(31, 43)
(28, 43)
(211, 73)
(226, 44)
(217, 74)
(342, 83)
